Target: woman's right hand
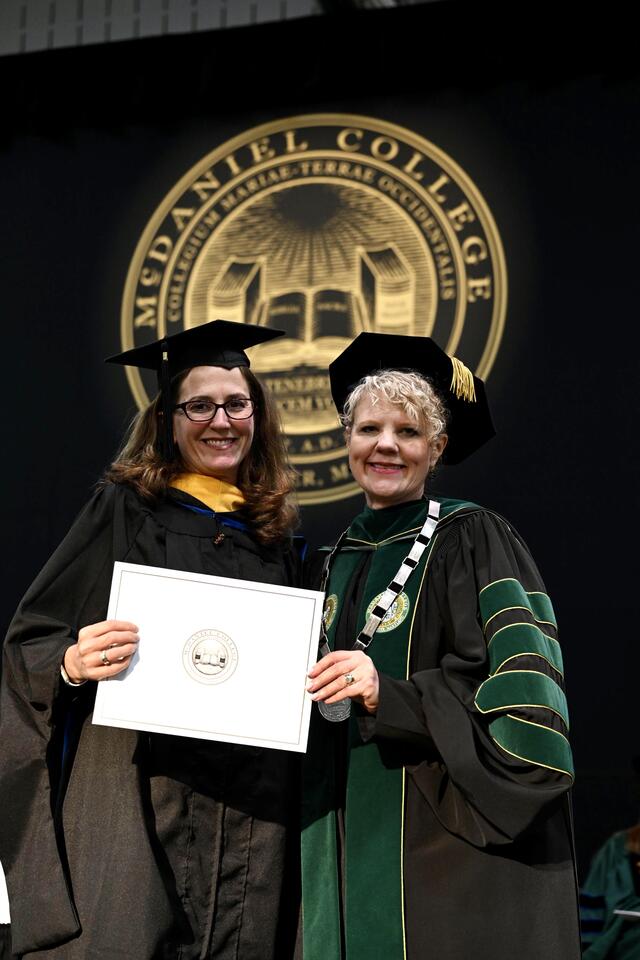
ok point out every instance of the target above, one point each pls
(103, 650)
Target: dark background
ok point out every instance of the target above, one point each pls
(542, 113)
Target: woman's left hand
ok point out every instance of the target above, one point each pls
(331, 679)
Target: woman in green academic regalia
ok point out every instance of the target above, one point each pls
(435, 818)
(610, 897)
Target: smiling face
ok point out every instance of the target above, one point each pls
(390, 453)
(216, 448)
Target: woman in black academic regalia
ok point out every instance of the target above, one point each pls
(118, 844)
(436, 819)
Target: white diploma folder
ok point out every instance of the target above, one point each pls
(218, 659)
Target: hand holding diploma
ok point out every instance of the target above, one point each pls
(222, 659)
(103, 650)
(345, 673)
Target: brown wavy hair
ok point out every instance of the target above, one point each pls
(264, 476)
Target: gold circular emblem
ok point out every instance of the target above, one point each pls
(210, 656)
(330, 608)
(321, 225)
(394, 616)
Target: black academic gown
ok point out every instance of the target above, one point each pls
(486, 848)
(121, 845)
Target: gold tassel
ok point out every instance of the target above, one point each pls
(462, 385)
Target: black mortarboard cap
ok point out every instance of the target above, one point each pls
(220, 343)
(464, 396)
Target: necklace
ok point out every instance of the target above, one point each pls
(336, 712)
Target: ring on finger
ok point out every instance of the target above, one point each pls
(349, 679)
(105, 659)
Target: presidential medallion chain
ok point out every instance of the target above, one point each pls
(336, 712)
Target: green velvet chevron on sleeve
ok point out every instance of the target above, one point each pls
(523, 694)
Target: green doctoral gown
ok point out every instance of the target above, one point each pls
(611, 884)
(439, 828)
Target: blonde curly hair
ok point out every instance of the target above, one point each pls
(407, 389)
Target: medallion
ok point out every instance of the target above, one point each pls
(335, 712)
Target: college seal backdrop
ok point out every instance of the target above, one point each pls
(323, 225)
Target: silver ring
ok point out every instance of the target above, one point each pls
(105, 659)
(349, 679)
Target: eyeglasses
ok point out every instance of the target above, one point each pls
(238, 408)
